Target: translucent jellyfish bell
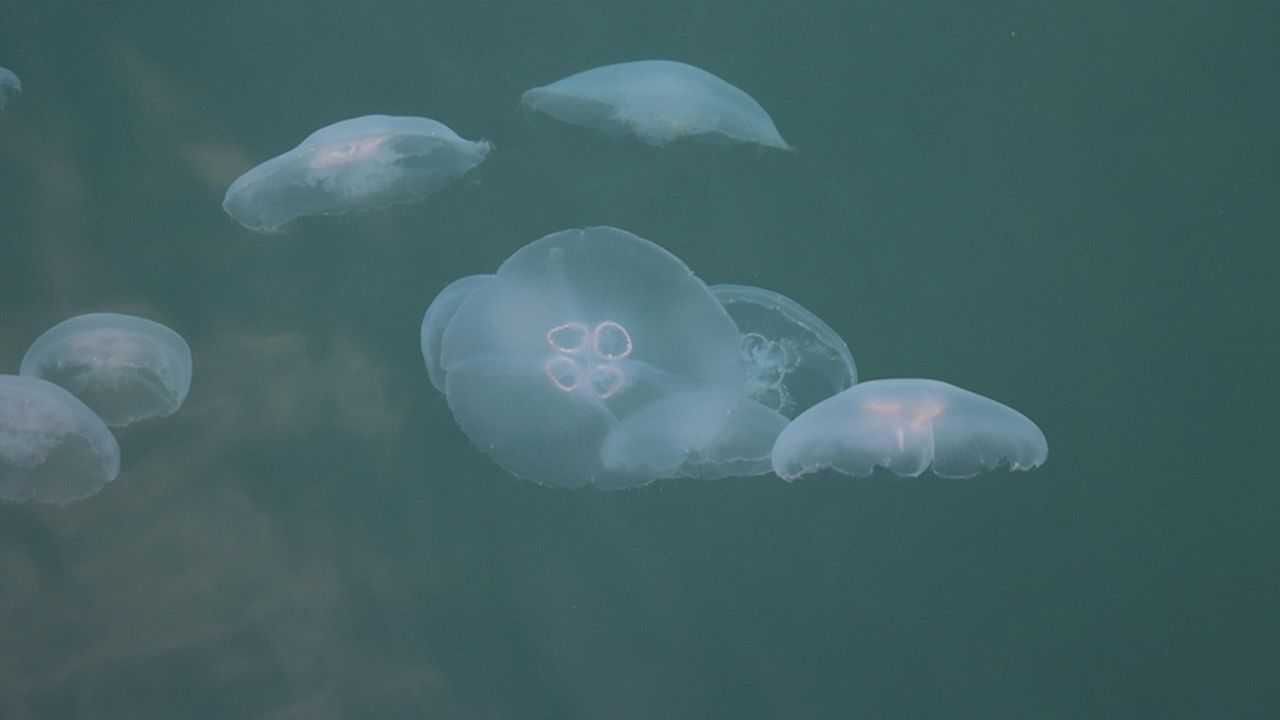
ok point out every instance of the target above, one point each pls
(690, 435)
(358, 164)
(436, 319)
(577, 333)
(53, 448)
(125, 368)
(10, 86)
(658, 101)
(793, 360)
(908, 426)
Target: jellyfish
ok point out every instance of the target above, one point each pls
(792, 359)
(577, 333)
(53, 448)
(689, 435)
(125, 368)
(437, 318)
(10, 86)
(657, 100)
(359, 164)
(908, 426)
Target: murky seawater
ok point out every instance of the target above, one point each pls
(1069, 208)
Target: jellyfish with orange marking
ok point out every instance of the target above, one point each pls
(354, 165)
(125, 368)
(908, 426)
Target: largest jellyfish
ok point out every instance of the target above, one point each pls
(596, 357)
(52, 447)
(658, 101)
(358, 164)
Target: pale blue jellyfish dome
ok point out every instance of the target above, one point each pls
(691, 435)
(658, 101)
(908, 426)
(53, 448)
(124, 367)
(10, 86)
(358, 164)
(792, 358)
(436, 319)
(577, 335)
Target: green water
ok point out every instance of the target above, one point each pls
(1070, 208)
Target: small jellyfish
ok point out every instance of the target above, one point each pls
(437, 318)
(690, 435)
(657, 100)
(358, 164)
(125, 368)
(577, 333)
(793, 360)
(53, 448)
(10, 86)
(908, 426)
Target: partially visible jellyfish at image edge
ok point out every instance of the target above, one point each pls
(908, 426)
(53, 448)
(10, 86)
(658, 101)
(354, 165)
(792, 359)
(595, 357)
(125, 368)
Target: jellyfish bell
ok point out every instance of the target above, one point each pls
(437, 318)
(658, 101)
(792, 359)
(908, 426)
(576, 333)
(689, 435)
(53, 448)
(10, 86)
(354, 165)
(125, 368)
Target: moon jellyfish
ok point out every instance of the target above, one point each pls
(10, 86)
(657, 100)
(578, 333)
(690, 435)
(125, 368)
(53, 448)
(358, 164)
(908, 426)
(792, 359)
(436, 319)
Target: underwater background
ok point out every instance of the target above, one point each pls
(1069, 208)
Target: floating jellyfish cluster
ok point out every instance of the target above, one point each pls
(595, 357)
(80, 376)
(589, 357)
